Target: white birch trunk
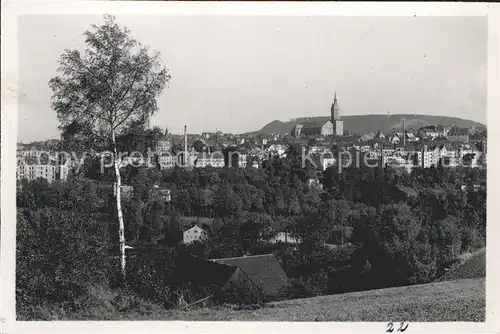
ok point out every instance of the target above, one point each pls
(121, 228)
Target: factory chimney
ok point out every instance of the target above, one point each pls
(404, 135)
(186, 160)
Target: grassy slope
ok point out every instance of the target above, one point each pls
(469, 265)
(462, 300)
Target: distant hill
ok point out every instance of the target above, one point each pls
(373, 123)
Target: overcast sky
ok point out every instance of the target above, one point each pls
(236, 74)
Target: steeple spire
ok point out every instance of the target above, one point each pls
(335, 109)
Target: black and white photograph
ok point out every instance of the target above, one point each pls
(264, 168)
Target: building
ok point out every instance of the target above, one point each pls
(195, 233)
(332, 127)
(238, 159)
(167, 161)
(297, 130)
(326, 160)
(456, 134)
(277, 149)
(263, 271)
(163, 193)
(284, 237)
(165, 143)
(432, 131)
(214, 159)
(30, 167)
(338, 124)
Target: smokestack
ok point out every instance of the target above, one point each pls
(185, 146)
(404, 134)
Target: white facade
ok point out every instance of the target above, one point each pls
(242, 161)
(461, 138)
(50, 172)
(167, 161)
(215, 159)
(195, 233)
(284, 238)
(326, 161)
(277, 149)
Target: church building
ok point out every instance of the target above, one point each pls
(338, 124)
(332, 127)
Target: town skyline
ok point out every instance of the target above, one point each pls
(233, 74)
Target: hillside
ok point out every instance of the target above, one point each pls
(470, 265)
(373, 123)
(462, 300)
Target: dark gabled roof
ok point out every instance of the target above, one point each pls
(430, 128)
(315, 125)
(456, 131)
(264, 270)
(202, 222)
(204, 272)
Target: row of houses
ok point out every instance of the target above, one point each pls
(452, 134)
(34, 164)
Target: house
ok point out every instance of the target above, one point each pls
(276, 149)
(314, 183)
(379, 136)
(284, 237)
(456, 134)
(367, 137)
(410, 137)
(163, 193)
(195, 233)
(30, 167)
(237, 159)
(164, 145)
(317, 129)
(264, 271)
(167, 161)
(432, 131)
(214, 159)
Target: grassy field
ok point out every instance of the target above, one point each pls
(461, 300)
(470, 265)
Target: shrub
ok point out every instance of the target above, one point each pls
(242, 291)
(297, 289)
(59, 255)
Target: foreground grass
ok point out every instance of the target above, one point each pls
(459, 300)
(469, 265)
(462, 300)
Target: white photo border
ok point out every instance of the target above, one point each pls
(10, 12)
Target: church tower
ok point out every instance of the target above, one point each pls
(338, 124)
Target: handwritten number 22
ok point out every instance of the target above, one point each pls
(402, 327)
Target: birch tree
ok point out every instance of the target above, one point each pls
(103, 90)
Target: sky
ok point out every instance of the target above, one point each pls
(238, 73)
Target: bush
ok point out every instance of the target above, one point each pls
(151, 276)
(242, 291)
(297, 289)
(59, 255)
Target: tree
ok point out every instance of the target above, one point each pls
(110, 87)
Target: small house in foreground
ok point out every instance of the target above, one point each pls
(263, 271)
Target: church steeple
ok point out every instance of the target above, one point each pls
(335, 109)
